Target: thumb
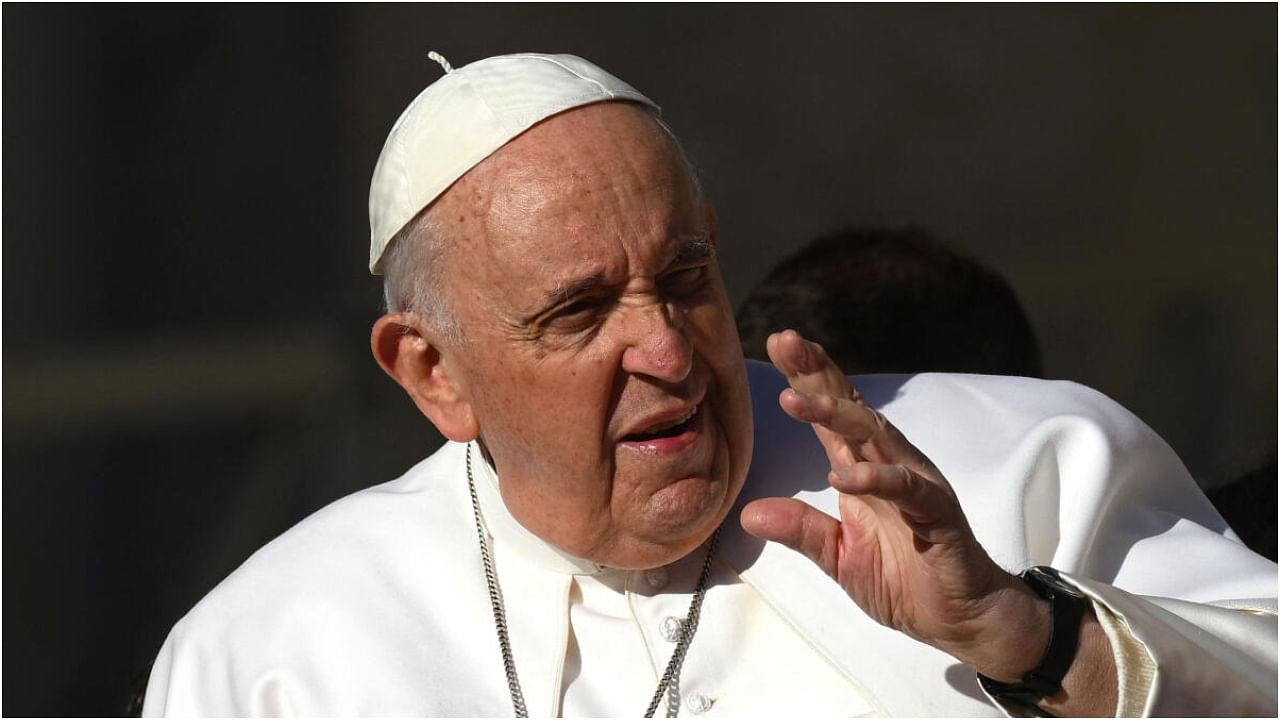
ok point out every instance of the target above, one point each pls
(797, 525)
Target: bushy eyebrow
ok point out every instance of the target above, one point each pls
(695, 248)
(562, 293)
(573, 288)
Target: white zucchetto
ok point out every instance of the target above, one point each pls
(464, 117)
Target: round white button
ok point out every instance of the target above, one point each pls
(657, 578)
(698, 703)
(670, 628)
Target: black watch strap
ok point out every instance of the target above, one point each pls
(1068, 606)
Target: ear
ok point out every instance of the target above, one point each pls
(403, 347)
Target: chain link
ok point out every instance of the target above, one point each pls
(671, 677)
(495, 600)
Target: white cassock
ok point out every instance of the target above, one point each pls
(377, 604)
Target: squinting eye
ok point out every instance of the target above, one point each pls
(575, 314)
(685, 281)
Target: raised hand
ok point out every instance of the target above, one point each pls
(902, 548)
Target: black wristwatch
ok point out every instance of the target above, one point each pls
(1044, 680)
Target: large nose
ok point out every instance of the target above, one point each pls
(656, 342)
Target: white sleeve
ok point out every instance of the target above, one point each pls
(1208, 660)
(1136, 534)
(1200, 603)
(1053, 473)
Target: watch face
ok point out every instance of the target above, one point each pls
(1047, 576)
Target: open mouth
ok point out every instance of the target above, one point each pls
(675, 428)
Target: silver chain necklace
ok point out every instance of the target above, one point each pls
(687, 628)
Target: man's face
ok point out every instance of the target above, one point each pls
(600, 355)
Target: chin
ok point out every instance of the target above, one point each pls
(656, 556)
(679, 537)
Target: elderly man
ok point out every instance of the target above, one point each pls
(611, 529)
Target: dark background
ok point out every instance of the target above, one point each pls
(186, 306)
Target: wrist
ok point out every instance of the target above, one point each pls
(1011, 637)
(1047, 679)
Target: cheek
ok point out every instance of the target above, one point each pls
(713, 332)
(714, 314)
(715, 336)
(544, 414)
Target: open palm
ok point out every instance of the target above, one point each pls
(902, 548)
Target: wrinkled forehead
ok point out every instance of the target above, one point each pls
(597, 196)
(590, 177)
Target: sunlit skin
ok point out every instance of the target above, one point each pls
(583, 268)
(902, 548)
(582, 271)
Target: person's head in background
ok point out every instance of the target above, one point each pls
(893, 300)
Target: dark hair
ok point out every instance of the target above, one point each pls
(893, 300)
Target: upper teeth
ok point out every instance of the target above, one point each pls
(673, 423)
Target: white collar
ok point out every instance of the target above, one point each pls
(507, 531)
